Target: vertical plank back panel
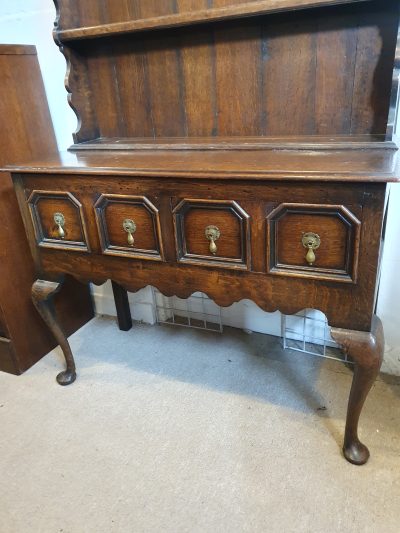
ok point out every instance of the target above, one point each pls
(133, 87)
(322, 71)
(164, 75)
(238, 80)
(373, 73)
(165, 85)
(199, 85)
(336, 49)
(197, 58)
(289, 66)
(104, 88)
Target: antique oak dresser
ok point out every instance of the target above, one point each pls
(238, 148)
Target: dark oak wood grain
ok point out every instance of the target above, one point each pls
(197, 220)
(42, 295)
(114, 211)
(264, 76)
(248, 157)
(25, 132)
(122, 307)
(47, 208)
(337, 230)
(366, 349)
(224, 285)
(145, 237)
(333, 235)
(155, 15)
(18, 49)
(305, 165)
(58, 220)
(235, 143)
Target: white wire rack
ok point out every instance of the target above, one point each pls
(197, 311)
(308, 332)
(305, 332)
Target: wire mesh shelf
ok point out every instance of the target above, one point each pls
(197, 311)
(306, 331)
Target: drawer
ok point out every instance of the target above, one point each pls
(129, 226)
(58, 220)
(212, 232)
(318, 241)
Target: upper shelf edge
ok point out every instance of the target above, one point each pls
(259, 7)
(316, 143)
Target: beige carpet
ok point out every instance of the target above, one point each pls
(174, 430)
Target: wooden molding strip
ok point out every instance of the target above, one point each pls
(350, 142)
(249, 9)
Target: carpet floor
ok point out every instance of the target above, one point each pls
(176, 430)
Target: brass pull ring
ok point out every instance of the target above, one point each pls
(130, 227)
(59, 221)
(212, 234)
(312, 242)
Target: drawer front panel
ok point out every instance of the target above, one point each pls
(212, 232)
(318, 241)
(129, 226)
(229, 240)
(332, 250)
(58, 220)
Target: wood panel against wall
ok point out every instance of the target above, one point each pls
(298, 73)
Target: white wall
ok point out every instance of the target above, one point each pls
(389, 292)
(31, 22)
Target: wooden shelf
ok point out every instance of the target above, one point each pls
(338, 142)
(248, 9)
(284, 165)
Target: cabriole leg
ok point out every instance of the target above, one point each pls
(42, 296)
(366, 350)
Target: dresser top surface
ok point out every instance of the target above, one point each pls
(351, 165)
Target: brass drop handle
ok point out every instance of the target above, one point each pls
(312, 242)
(130, 227)
(212, 234)
(59, 221)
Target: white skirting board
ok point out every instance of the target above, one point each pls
(141, 303)
(243, 315)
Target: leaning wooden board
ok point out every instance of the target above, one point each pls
(25, 131)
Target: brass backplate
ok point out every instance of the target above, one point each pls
(311, 240)
(212, 233)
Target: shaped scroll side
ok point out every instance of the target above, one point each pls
(77, 85)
